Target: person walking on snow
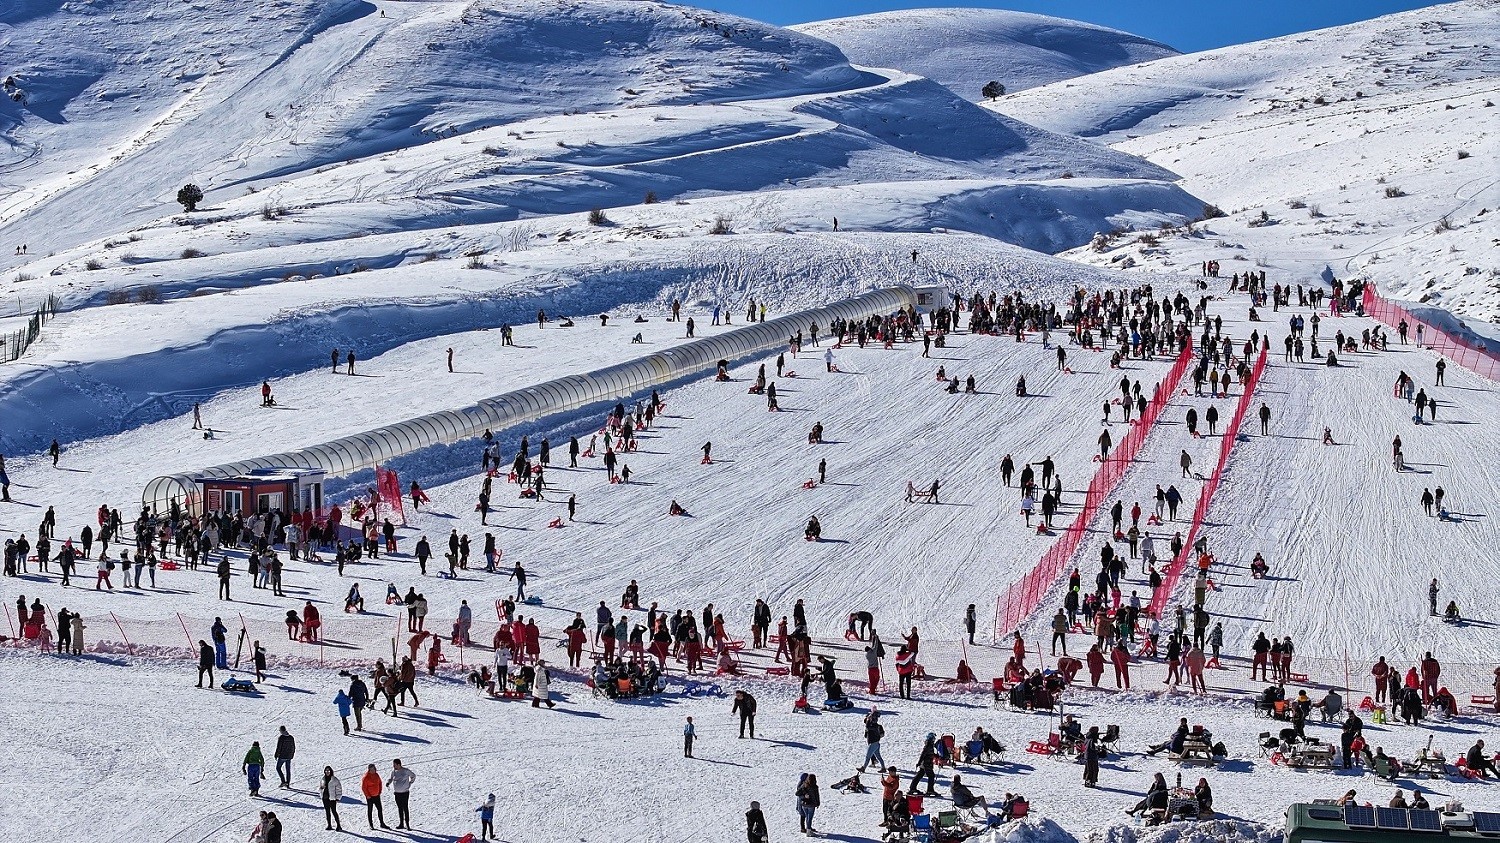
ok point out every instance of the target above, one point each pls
(331, 791)
(254, 762)
(286, 750)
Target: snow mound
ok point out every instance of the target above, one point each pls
(1031, 829)
(1207, 831)
(963, 49)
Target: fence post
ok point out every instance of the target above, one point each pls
(129, 648)
(185, 632)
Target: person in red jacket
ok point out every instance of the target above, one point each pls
(1096, 665)
(576, 638)
(1380, 671)
(1431, 670)
(913, 642)
(311, 622)
(1121, 659)
(1019, 648)
(533, 641)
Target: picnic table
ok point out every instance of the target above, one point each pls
(1181, 802)
(1195, 750)
(1311, 755)
(1432, 765)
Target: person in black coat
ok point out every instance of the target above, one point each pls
(286, 750)
(755, 824)
(1092, 751)
(744, 706)
(205, 662)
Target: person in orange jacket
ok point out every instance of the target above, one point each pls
(370, 786)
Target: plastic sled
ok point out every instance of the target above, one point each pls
(169, 565)
(790, 373)
(555, 523)
(839, 704)
(614, 480)
(705, 461)
(532, 601)
(238, 686)
(809, 484)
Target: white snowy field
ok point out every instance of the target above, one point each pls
(403, 177)
(121, 735)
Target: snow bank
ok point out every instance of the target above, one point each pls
(1207, 831)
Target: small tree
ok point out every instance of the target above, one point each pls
(993, 90)
(189, 197)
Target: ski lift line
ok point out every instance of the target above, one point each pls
(350, 454)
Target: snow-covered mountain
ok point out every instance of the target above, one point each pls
(1369, 148)
(409, 140)
(398, 179)
(964, 49)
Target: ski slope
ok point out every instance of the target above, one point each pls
(401, 178)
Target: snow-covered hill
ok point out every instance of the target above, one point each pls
(1369, 148)
(417, 141)
(966, 48)
(499, 107)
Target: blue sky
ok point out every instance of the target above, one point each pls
(1188, 26)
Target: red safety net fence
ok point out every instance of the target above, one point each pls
(1023, 596)
(1472, 356)
(1205, 498)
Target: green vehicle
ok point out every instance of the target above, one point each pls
(1329, 823)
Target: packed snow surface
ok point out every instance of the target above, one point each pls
(404, 178)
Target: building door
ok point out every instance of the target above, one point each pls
(234, 501)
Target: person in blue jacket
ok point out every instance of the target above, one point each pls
(486, 813)
(345, 707)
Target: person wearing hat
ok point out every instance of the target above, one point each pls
(755, 824)
(486, 813)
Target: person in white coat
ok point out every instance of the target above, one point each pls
(539, 687)
(332, 790)
(1148, 553)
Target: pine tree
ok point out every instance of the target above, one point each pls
(189, 197)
